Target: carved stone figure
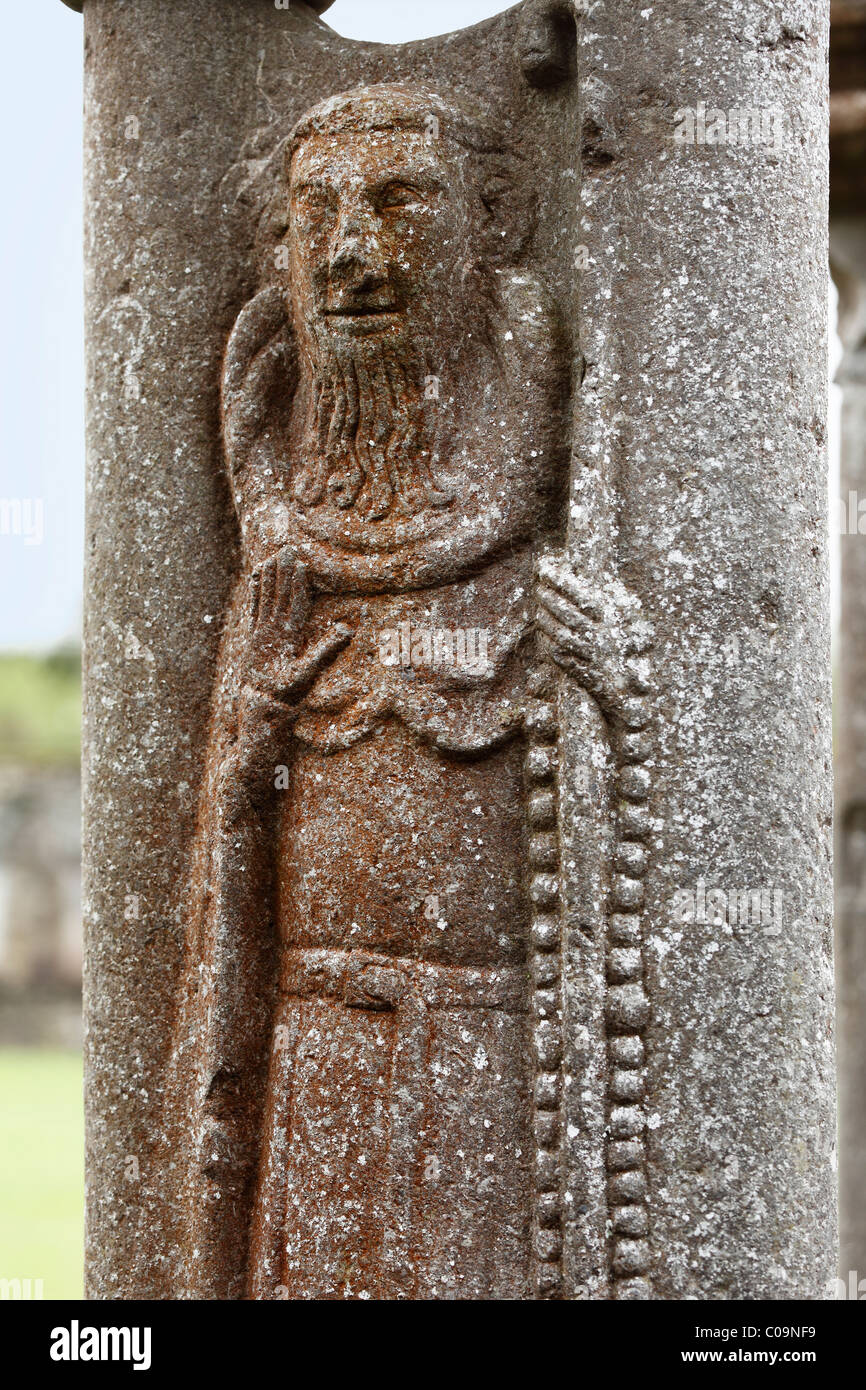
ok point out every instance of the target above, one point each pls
(410, 420)
(360, 962)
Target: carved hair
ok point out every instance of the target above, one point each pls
(396, 106)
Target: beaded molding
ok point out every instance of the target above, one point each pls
(626, 1004)
(545, 960)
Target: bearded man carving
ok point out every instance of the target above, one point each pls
(354, 1021)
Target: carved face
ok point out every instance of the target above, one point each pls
(380, 232)
(425, 394)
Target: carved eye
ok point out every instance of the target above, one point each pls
(312, 200)
(398, 195)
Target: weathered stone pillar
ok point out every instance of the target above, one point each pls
(703, 324)
(457, 732)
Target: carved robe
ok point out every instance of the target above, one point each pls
(396, 1151)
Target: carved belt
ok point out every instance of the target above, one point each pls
(367, 980)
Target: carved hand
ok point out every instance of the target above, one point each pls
(595, 634)
(276, 666)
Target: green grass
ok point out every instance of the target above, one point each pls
(40, 708)
(41, 1169)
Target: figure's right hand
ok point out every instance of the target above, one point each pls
(258, 373)
(277, 665)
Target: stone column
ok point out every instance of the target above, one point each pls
(703, 318)
(662, 905)
(167, 91)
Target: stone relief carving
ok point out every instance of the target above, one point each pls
(371, 1014)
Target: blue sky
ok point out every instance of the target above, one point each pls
(41, 368)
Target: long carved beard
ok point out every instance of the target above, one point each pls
(370, 440)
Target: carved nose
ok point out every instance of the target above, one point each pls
(357, 249)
